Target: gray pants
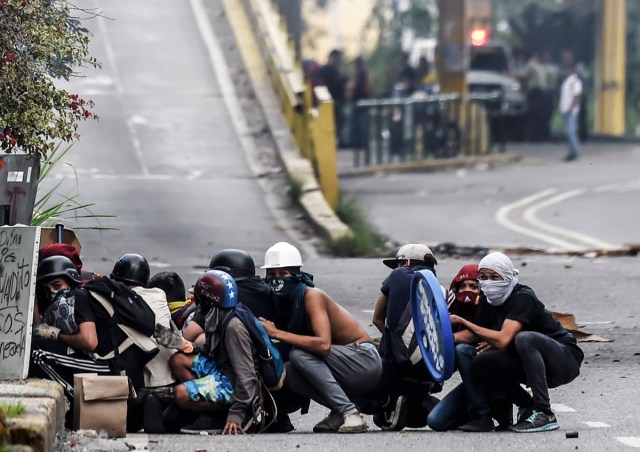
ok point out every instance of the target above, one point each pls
(347, 372)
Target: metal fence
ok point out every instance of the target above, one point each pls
(432, 127)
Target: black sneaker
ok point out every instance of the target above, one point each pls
(483, 423)
(537, 421)
(523, 413)
(282, 424)
(398, 418)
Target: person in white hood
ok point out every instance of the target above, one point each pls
(518, 341)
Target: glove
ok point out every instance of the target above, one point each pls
(44, 331)
(169, 337)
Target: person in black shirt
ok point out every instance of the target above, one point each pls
(405, 382)
(518, 341)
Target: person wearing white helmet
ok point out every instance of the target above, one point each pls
(516, 341)
(333, 360)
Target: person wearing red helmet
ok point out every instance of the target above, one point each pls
(464, 292)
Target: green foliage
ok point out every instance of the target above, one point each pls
(40, 41)
(366, 240)
(55, 207)
(12, 410)
(295, 188)
(392, 23)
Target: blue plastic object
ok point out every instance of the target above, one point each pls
(432, 325)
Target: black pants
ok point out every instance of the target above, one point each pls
(534, 359)
(56, 361)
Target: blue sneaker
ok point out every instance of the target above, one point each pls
(537, 422)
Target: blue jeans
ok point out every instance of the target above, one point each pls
(466, 401)
(570, 121)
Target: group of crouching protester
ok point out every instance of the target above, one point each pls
(239, 353)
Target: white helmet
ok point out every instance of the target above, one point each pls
(281, 255)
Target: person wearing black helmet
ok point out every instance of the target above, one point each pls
(59, 338)
(134, 271)
(253, 291)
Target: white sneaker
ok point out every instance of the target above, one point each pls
(353, 423)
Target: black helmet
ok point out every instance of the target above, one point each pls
(58, 266)
(237, 263)
(131, 269)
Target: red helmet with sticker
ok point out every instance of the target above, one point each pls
(216, 288)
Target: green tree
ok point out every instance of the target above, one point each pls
(393, 19)
(40, 41)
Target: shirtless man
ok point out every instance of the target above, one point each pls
(332, 359)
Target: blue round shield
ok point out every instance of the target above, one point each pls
(432, 325)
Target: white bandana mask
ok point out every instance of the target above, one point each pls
(497, 292)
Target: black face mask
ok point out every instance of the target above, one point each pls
(284, 288)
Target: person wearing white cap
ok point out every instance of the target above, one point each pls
(518, 341)
(406, 384)
(333, 360)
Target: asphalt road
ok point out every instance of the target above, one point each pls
(184, 175)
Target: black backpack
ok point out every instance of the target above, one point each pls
(129, 308)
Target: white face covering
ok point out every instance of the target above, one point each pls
(497, 292)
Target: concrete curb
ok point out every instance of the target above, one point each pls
(430, 165)
(297, 167)
(44, 414)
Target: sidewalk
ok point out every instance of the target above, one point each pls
(42, 418)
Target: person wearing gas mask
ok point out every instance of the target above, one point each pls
(518, 342)
(59, 340)
(405, 389)
(332, 360)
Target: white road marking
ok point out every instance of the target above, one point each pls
(530, 216)
(368, 311)
(223, 77)
(546, 232)
(502, 217)
(620, 187)
(560, 408)
(632, 441)
(137, 148)
(597, 424)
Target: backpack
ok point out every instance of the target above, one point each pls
(133, 316)
(270, 363)
(129, 308)
(399, 345)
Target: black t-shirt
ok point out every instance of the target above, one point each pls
(255, 294)
(524, 306)
(88, 309)
(397, 288)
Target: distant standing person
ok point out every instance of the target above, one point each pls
(570, 95)
(332, 77)
(359, 90)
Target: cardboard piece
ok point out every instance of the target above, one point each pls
(49, 236)
(568, 322)
(100, 403)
